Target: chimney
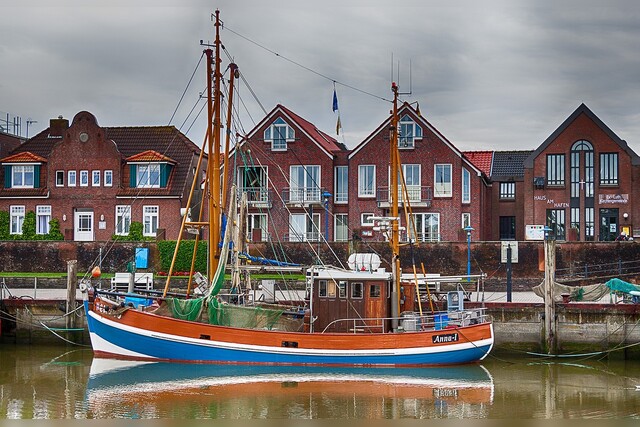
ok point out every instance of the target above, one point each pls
(57, 127)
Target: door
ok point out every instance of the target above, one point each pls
(608, 225)
(83, 226)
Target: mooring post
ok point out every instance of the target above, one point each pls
(549, 305)
(72, 285)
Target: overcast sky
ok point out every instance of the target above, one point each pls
(489, 75)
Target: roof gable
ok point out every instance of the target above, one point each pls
(481, 159)
(149, 156)
(582, 109)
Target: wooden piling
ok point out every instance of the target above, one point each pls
(72, 285)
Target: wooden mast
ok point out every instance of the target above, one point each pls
(395, 240)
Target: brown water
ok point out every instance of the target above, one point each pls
(60, 383)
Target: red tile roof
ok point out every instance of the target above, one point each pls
(481, 159)
(149, 156)
(24, 157)
(327, 142)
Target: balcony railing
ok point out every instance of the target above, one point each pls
(418, 196)
(303, 196)
(258, 197)
(309, 236)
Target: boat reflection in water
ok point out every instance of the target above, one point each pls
(133, 389)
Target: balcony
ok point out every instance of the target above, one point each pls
(258, 197)
(309, 236)
(419, 196)
(303, 196)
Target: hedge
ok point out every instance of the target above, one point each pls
(185, 253)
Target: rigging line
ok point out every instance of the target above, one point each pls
(243, 78)
(186, 88)
(307, 68)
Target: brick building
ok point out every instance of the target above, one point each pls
(582, 181)
(8, 143)
(96, 180)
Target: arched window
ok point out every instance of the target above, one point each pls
(582, 188)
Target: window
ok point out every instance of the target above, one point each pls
(254, 182)
(556, 221)
(23, 176)
(257, 227)
(411, 175)
(574, 221)
(589, 223)
(507, 190)
(357, 290)
(342, 289)
(581, 181)
(466, 186)
(59, 178)
(279, 134)
(466, 219)
(374, 291)
(427, 227)
(305, 183)
(555, 169)
(95, 178)
(123, 219)
(84, 178)
(150, 220)
(342, 184)
(148, 175)
(341, 228)
(322, 288)
(43, 216)
(108, 178)
(609, 169)
(331, 289)
(303, 228)
(71, 178)
(17, 219)
(409, 132)
(443, 185)
(507, 228)
(365, 219)
(366, 180)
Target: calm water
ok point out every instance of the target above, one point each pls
(56, 382)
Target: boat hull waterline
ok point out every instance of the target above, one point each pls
(139, 335)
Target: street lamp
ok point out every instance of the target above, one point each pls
(326, 196)
(468, 229)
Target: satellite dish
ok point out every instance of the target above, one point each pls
(364, 262)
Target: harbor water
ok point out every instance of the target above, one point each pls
(54, 382)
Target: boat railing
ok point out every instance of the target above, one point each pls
(411, 322)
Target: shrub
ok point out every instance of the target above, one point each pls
(136, 231)
(185, 253)
(4, 225)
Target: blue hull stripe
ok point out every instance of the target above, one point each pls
(148, 346)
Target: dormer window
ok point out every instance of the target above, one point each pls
(279, 134)
(22, 176)
(409, 132)
(149, 169)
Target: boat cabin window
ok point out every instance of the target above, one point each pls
(331, 289)
(374, 291)
(356, 290)
(322, 288)
(343, 289)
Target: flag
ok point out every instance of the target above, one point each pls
(335, 100)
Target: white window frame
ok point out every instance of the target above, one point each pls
(407, 125)
(413, 187)
(422, 235)
(123, 220)
(444, 188)
(43, 216)
(60, 174)
(150, 220)
(311, 232)
(280, 127)
(72, 178)
(466, 219)
(146, 179)
(24, 171)
(16, 221)
(95, 178)
(251, 225)
(342, 227)
(84, 178)
(108, 178)
(363, 219)
(466, 186)
(363, 189)
(341, 188)
(309, 189)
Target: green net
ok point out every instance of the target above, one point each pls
(242, 317)
(621, 286)
(186, 309)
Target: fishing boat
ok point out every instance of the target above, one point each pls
(365, 316)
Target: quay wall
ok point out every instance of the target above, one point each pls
(518, 327)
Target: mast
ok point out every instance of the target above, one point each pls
(395, 240)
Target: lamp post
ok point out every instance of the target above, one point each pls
(468, 229)
(326, 196)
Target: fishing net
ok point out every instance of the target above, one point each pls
(186, 309)
(242, 317)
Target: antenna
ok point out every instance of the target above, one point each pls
(30, 122)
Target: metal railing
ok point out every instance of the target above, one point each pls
(303, 195)
(603, 271)
(258, 196)
(416, 194)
